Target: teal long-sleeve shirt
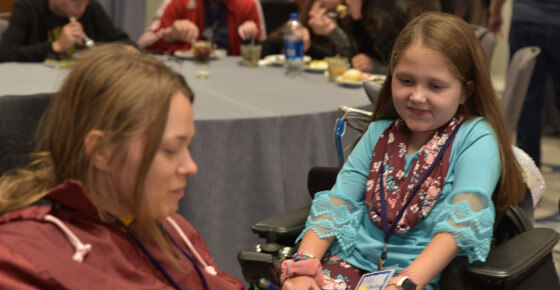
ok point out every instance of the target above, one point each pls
(464, 208)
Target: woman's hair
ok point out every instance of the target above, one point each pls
(455, 40)
(383, 20)
(120, 93)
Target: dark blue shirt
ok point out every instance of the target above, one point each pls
(215, 15)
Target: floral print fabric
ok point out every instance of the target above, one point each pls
(390, 153)
(338, 274)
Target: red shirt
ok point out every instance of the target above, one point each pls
(36, 253)
(238, 11)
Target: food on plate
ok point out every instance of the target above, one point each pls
(353, 75)
(319, 64)
(341, 9)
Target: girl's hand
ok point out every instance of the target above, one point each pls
(300, 282)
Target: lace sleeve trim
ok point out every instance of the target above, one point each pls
(472, 230)
(341, 221)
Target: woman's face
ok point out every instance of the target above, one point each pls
(166, 177)
(425, 92)
(355, 8)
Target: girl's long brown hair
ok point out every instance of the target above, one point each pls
(121, 94)
(454, 39)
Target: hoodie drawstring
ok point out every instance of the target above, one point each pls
(80, 249)
(207, 268)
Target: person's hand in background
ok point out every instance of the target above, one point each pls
(71, 34)
(248, 30)
(181, 30)
(362, 62)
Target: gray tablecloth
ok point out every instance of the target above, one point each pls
(258, 134)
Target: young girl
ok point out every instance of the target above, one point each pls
(424, 182)
(97, 209)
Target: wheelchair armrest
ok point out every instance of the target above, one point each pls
(516, 256)
(284, 225)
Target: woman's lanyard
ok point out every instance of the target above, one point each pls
(155, 262)
(388, 232)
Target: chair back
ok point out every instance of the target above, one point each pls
(487, 39)
(19, 116)
(518, 78)
(372, 90)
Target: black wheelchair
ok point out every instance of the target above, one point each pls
(520, 256)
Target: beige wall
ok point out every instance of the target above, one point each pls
(500, 59)
(151, 7)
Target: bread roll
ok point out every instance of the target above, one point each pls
(353, 75)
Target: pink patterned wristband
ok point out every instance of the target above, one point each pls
(307, 267)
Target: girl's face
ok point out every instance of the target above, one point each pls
(425, 92)
(166, 177)
(355, 8)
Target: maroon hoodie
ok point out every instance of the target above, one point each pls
(67, 246)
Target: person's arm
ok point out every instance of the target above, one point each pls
(13, 46)
(433, 259)
(341, 43)
(348, 193)
(250, 16)
(464, 222)
(157, 37)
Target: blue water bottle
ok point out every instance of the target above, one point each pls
(293, 46)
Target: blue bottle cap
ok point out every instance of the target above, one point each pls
(294, 15)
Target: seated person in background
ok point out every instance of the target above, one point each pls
(39, 28)
(374, 27)
(315, 45)
(178, 23)
(97, 208)
(424, 182)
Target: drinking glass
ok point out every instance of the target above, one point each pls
(251, 54)
(337, 66)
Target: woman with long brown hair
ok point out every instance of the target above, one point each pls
(97, 207)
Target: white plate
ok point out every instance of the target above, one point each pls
(374, 78)
(342, 82)
(278, 59)
(316, 68)
(188, 54)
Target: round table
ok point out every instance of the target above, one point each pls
(258, 132)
